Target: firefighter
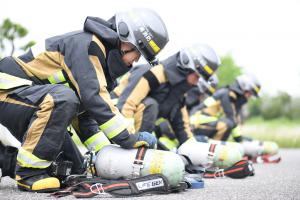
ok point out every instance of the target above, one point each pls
(204, 89)
(68, 78)
(158, 92)
(218, 115)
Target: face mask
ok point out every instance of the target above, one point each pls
(116, 66)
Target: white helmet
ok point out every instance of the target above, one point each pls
(247, 82)
(201, 59)
(144, 29)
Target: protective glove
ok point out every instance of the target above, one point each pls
(145, 139)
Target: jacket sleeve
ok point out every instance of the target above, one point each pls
(138, 88)
(89, 133)
(180, 124)
(192, 98)
(84, 66)
(228, 108)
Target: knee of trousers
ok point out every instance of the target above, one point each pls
(229, 123)
(65, 98)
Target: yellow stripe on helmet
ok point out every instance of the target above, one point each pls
(208, 70)
(211, 89)
(256, 89)
(154, 46)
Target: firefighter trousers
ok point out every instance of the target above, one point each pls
(38, 116)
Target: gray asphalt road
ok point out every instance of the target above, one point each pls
(272, 181)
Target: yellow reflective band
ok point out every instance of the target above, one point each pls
(159, 121)
(114, 126)
(27, 186)
(198, 118)
(236, 132)
(51, 80)
(58, 77)
(210, 101)
(27, 159)
(170, 144)
(154, 46)
(208, 70)
(116, 132)
(97, 142)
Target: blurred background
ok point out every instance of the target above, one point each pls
(260, 37)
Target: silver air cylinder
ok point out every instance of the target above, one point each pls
(198, 153)
(270, 148)
(230, 144)
(114, 162)
(256, 148)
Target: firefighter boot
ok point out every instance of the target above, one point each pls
(37, 181)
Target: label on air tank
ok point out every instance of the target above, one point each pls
(145, 185)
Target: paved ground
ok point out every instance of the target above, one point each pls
(272, 181)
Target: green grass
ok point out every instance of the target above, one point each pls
(283, 131)
(279, 122)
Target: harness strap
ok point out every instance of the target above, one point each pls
(138, 163)
(240, 169)
(211, 153)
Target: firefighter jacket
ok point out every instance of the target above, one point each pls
(223, 102)
(87, 61)
(167, 85)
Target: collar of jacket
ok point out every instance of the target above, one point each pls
(104, 30)
(173, 72)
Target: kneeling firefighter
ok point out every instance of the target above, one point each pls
(158, 92)
(207, 119)
(71, 78)
(149, 95)
(193, 98)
